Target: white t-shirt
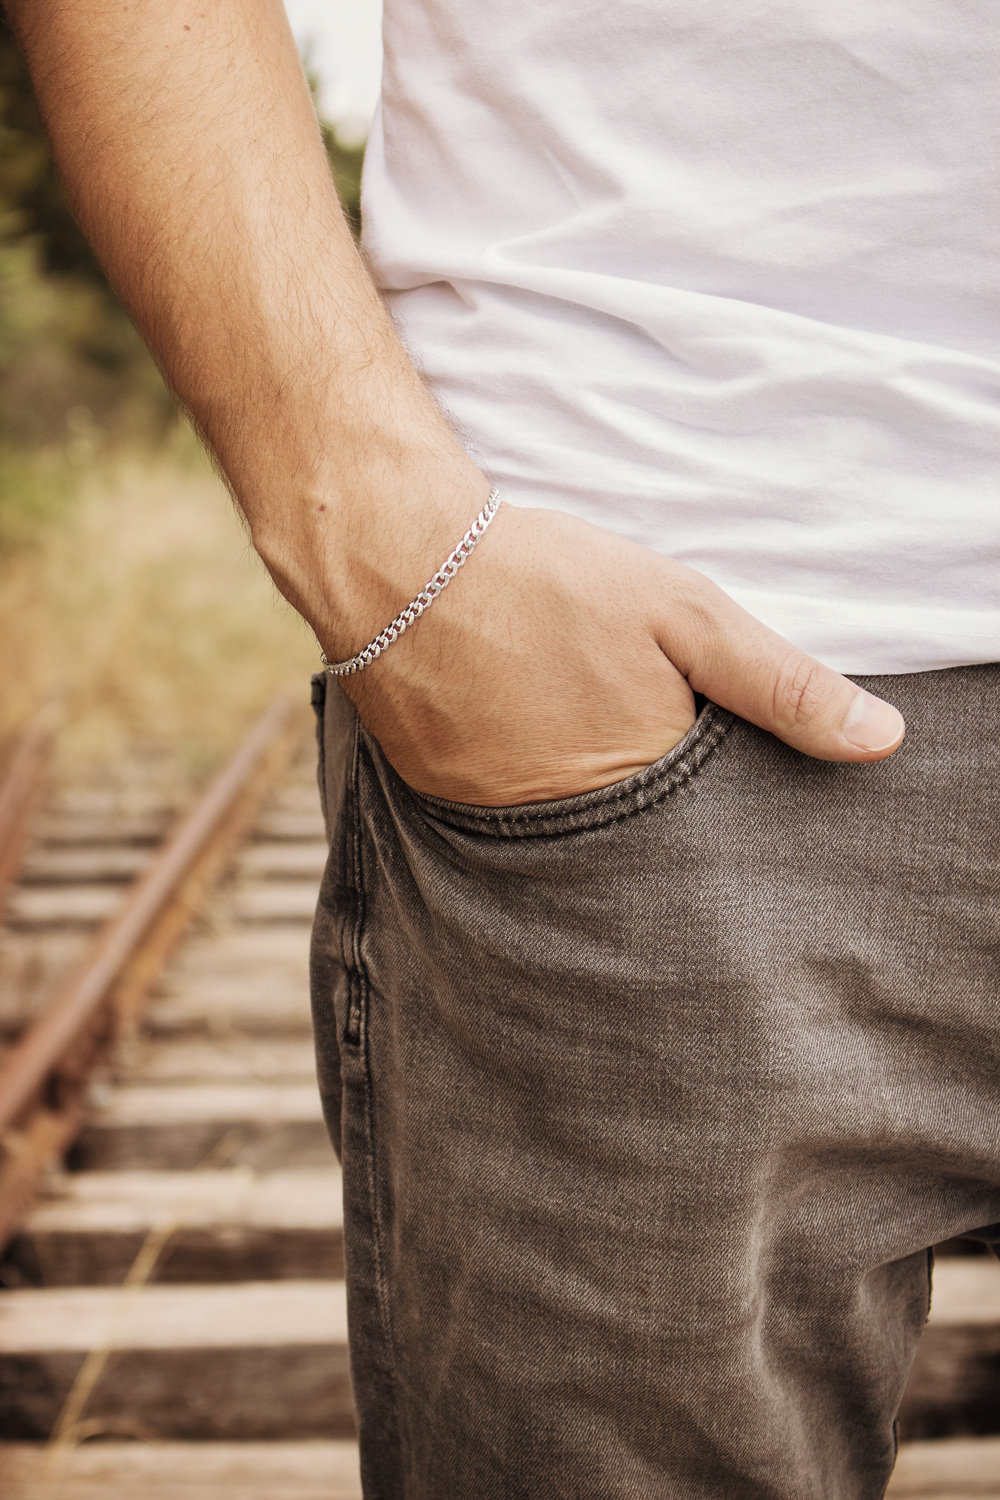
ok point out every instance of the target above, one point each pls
(724, 277)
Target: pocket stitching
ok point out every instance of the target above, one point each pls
(674, 770)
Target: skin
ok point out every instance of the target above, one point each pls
(560, 658)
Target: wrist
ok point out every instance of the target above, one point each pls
(422, 601)
(355, 546)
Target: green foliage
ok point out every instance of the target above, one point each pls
(346, 159)
(74, 374)
(32, 198)
(69, 357)
(66, 346)
(35, 487)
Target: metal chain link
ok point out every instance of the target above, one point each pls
(424, 599)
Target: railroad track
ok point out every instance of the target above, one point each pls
(169, 1202)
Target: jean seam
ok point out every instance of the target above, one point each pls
(360, 1043)
(357, 998)
(603, 811)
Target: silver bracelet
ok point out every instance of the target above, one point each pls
(424, 599)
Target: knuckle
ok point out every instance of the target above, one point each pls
(799, 691)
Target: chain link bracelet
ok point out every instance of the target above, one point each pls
(424, 599)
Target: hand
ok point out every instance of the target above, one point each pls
(563, 658)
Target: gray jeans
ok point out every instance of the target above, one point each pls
(650, 1102)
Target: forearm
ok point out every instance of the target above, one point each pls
(188, 142)
(189, 146)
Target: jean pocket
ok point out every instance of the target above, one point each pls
(677, 767)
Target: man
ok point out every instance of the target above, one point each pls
(655, 997)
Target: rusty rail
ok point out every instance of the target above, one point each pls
(44, 1077)
(19, 793)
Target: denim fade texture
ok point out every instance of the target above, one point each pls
(650, 1102)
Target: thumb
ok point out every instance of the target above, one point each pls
(741, 664)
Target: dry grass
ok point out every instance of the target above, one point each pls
(144, 611)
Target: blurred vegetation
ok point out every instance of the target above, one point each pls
(76, 381)
(128, 591)
(146, 616)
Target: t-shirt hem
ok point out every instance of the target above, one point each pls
(860, 638)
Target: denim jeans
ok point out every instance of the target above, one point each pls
(651, 1100)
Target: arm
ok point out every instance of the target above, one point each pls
(186, 136)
